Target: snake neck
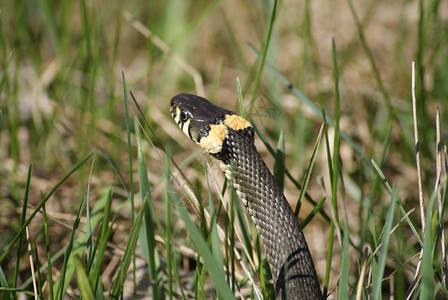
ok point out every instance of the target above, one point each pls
(287, 251)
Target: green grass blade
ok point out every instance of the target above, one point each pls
(117, 288)
(345, 260)
(105, 231)
(427, 287)
(130, 161)
(14, 291)
(332, 221)
(334, 168)
(314, 212)
(147, 241)
(400, 206)
(168, 228)
(378, 276)
(47, 246)
(244, 226)
(364, 217)
(336, 140)
(38, 267)
(62, 283)
(89, 245)
(309, 171)
(82, 278)
(128, 136)
(8, 292)
(231, 232)
(22, 221)
(80, 242)
(114, 166)
(201, 247)
(202, 280)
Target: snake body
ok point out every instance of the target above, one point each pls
(230, 139)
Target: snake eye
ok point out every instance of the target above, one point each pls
(183, 116)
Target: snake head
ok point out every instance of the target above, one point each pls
(200, 120)
(203, 122)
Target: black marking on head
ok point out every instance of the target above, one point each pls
(189, 135)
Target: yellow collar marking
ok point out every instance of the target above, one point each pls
(218, 132)
(236, 122)
(213, 143)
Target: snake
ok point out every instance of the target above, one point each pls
(229, 138)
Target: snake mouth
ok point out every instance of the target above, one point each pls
(173, 111)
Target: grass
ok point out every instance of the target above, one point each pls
(94, 205)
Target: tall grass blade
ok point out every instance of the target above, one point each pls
(8, 292)
(244, 226)
(168, 228)
(147, 241)
(114, 166)
(117, 288)
(104, 203)
(215, 271)
(128, 136)
(82, 278)
(309, 171)
(366, 212)
(379, 272)
(231, 232)
(427, 285)
(22, 221)
(336, 139)
(314, 212)
(345, 260)
(334, 167)
(62, 282)
(47, 246)
(89, 243)
(400, 206)
(80, 242)
(130, 160)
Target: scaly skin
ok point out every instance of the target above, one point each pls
(230, 139)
